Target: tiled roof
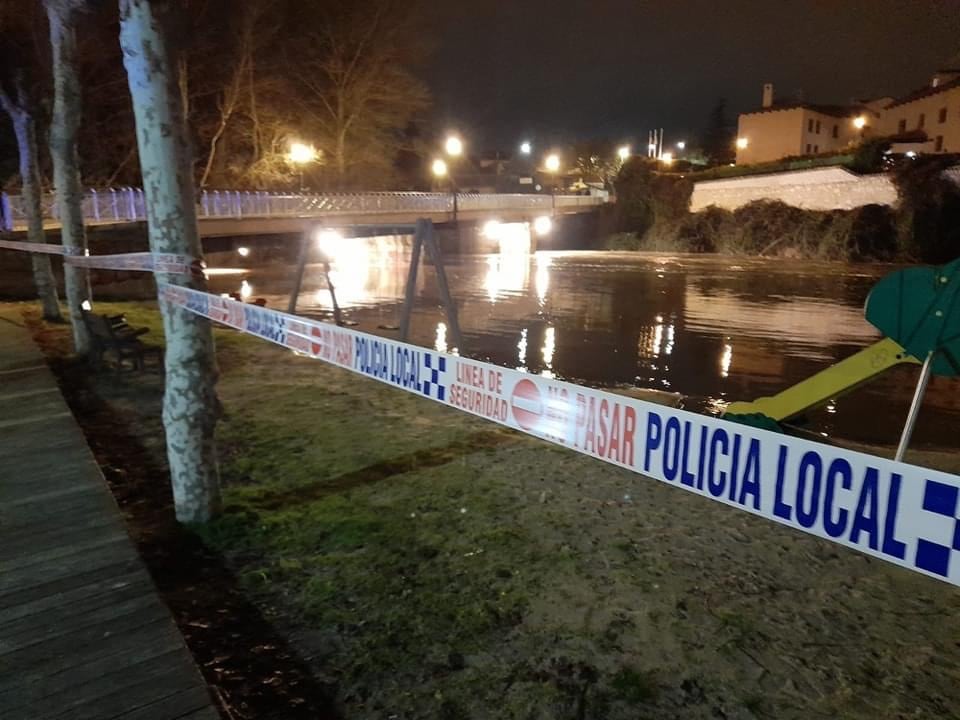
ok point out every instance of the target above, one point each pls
(840, 111)
(925, 92)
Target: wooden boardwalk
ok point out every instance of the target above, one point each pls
(83, 633)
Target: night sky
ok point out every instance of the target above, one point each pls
(557, 70)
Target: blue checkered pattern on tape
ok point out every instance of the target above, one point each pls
(432, 386)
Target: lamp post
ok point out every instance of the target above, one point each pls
(300, 154)
(453, 146)
(552, 165)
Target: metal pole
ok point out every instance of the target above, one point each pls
(298, 279)
(410, 289)
(337, 317)
(915, 407)
(433, 250)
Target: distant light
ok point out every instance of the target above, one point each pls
(911, 154)
(552, 163)
(301, 153)
(439, 167)
(454, 146)
(860, 122)
(491, 229)
(652, 147)
(667, 158)
(542, 225)
(623, 152)
(526, 148)
(243, 251)
(86, 305)
(245, 289)
(681, 145)
(742, 143)
(328, 241)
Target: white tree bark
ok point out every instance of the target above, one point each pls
(23, 127)
(64, 126)
(190, 404)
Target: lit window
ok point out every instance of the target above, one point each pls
(943, 115)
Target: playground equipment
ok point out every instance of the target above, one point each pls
(918, 311)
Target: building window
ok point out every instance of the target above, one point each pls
(922, 121)
(808, 148)
(810, 125)
(816, 149)
(818, 127)
(938, 145)
(943, 115)
(902, 126)
(836, 131)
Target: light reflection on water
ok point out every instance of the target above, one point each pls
(708, 328)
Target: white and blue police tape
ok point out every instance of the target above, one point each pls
(906, 515)
(141, 261)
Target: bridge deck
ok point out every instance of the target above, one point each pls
(83, 633)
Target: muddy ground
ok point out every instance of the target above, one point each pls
(413, 562)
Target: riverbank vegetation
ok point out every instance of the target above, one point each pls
(652, 214)
(427, 564)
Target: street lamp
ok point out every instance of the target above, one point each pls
(742, 143)
(439, 168)
(300, 154)
(552, 163)
(667, 158)
(681, 145)
(860, 122)
(623, 152)
(453, 146)
(525, 147)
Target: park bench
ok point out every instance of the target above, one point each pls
(112, 334)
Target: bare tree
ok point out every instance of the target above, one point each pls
(64, 128)
(190, 404)
(358, 77)
(18, 60)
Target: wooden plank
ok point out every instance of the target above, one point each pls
(83, 634)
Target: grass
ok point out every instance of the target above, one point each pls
(433, 565)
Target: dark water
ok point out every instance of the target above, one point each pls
(714, 329)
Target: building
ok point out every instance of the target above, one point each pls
(931, 115)
(779, 130)
(927, 120)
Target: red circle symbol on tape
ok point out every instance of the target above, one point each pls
(526, 404)
(316, 347)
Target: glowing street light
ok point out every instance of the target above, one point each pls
(525, 147)
(542, 225)
(652, 147)
(300, 153)
(742, 143)
(681, 145)
(623, 152)
(453, 146)
(860, 122)
(667, 158)
(552, 163)
(439, 167)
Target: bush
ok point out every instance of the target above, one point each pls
(929, 212)
(646, 196)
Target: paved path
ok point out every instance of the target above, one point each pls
(83, 634)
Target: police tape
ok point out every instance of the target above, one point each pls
(900, 513)
(139, 261)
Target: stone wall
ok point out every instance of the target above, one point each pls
(831, 188)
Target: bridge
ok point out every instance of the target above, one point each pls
(232, 213)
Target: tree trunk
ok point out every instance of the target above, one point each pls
(190, 404)
(23, 128)
(64, 126)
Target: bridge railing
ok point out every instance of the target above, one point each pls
(118, 205)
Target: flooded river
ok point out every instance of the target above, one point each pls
(713, 329)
